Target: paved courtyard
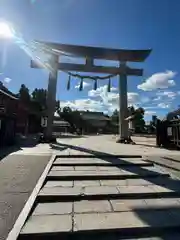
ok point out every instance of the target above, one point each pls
(109, 195)
(20, 171)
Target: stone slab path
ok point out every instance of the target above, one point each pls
(104, 198)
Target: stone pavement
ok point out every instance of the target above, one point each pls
(107, 144)
(85, 191)
(18, 177)
(102, 143)
(94, 198)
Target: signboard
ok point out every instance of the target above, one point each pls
(44, 122)
(169, 131)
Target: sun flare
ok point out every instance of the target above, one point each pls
(5, 30)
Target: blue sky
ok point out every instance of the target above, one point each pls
(136, 24)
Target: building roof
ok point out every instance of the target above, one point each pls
(94, 116)
(98, 52)
(172, 114)
(8, 94)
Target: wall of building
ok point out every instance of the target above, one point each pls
(8, 109)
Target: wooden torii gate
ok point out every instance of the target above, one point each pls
(90, 54)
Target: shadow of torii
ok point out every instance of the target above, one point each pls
(165, 181)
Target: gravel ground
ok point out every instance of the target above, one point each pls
(18, 177)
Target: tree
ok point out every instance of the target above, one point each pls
(131, 111)
(24, 94)
(67, 110)
(57, 105)
(138, 114)
(139, 120)
(115, 116)
(40, 96)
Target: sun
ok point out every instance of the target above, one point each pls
(5, 30)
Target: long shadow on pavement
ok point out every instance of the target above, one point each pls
(8, 150)
(152, 218)
(172, 184)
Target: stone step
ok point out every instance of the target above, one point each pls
(99, 161)
(102, 163)
(100, 175)
(88, 183)
(105, 192)
(98, 206)
(131, 169)
(104, 155)
(104, 225)
(162, 181)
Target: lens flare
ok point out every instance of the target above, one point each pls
(37, 52)
(5, 30)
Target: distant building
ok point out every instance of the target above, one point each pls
(86, 122)
(60, 126)
(94, 121)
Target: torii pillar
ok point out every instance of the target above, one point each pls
(123, 105)
(51, 96)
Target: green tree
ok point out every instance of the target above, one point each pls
(67, 110)
(40, 96)
(139, 120)
(131, 111)
(138, 114)
(24, 94)
(57, 105)
(115, 116)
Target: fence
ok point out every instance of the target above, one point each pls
(168, 133)
(173, 133)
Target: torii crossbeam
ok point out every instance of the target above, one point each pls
(90, 54)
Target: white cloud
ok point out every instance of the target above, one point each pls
(84, 104)
(164, 105)
(149, 113)
(101, 91)
(133, 97)
(157, 98)
(161, 80)
(168, 94)
(101, 100)
(112, 97)
(7, 80)
(85, 85)
(150, 107)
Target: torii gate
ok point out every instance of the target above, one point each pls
(90, 54)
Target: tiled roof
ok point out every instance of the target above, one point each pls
(94, 116)
(9, 94)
